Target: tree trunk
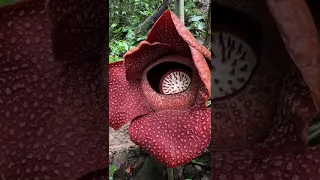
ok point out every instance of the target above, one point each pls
(179, 9)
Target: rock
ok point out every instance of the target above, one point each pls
(151, 169)
(190, 171)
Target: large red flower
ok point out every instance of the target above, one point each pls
(162, 87)
(52, 91)
(260, 131)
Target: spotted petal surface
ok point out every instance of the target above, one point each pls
(299, 33)
(272, 97)
(125, 98)
(139, 58)
(247, 165)
(78, 23)
(170, 30)
(266, 133)
(156, 124)
(173, 137)
(53, 112)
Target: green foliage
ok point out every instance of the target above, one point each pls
(314, 132)
(126, 16)
(203, 160)
(6, 2)
(112, 169)
(208, 103)
(195, 21)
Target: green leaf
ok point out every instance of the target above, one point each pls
(196, 18)
(6, 2)
(112, 169)
(130, 35)
(208, 103)
(124, 45)
(197, 162)
(201, 26)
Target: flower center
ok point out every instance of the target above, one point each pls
(233, 64)
(171, 83)
(175, 81)
(170, 77)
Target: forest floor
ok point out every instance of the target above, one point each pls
(134, 164)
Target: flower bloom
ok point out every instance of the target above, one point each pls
(260, 131)
(162, 87)
(52, 90)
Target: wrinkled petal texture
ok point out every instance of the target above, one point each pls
(275, 103)
(247, 165)
(170, 30)
(139, 58)
(297, 107)
(289, 132)
(76, 27)
(173, 137)
(299, 33)
(125, 98)
(281, 129)
(53, 114)
(203, 68)
(238, 117)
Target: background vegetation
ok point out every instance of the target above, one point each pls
(5, 2)
(126, 15)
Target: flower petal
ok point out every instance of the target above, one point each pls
(247, 165)
(80, 28)
(300, 36)
(203, 68)
(238, 117)
(139, 58)
(182, 100)
(295, 110)
(125, 98)
(170, 30)
(173, 137)
(53, 116)
(275, 103)
(282, 123)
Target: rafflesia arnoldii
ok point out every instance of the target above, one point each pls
(162, 87)
(260, 130)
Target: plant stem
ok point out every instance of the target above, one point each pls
(170, 173)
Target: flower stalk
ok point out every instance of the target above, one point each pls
(170, 173)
